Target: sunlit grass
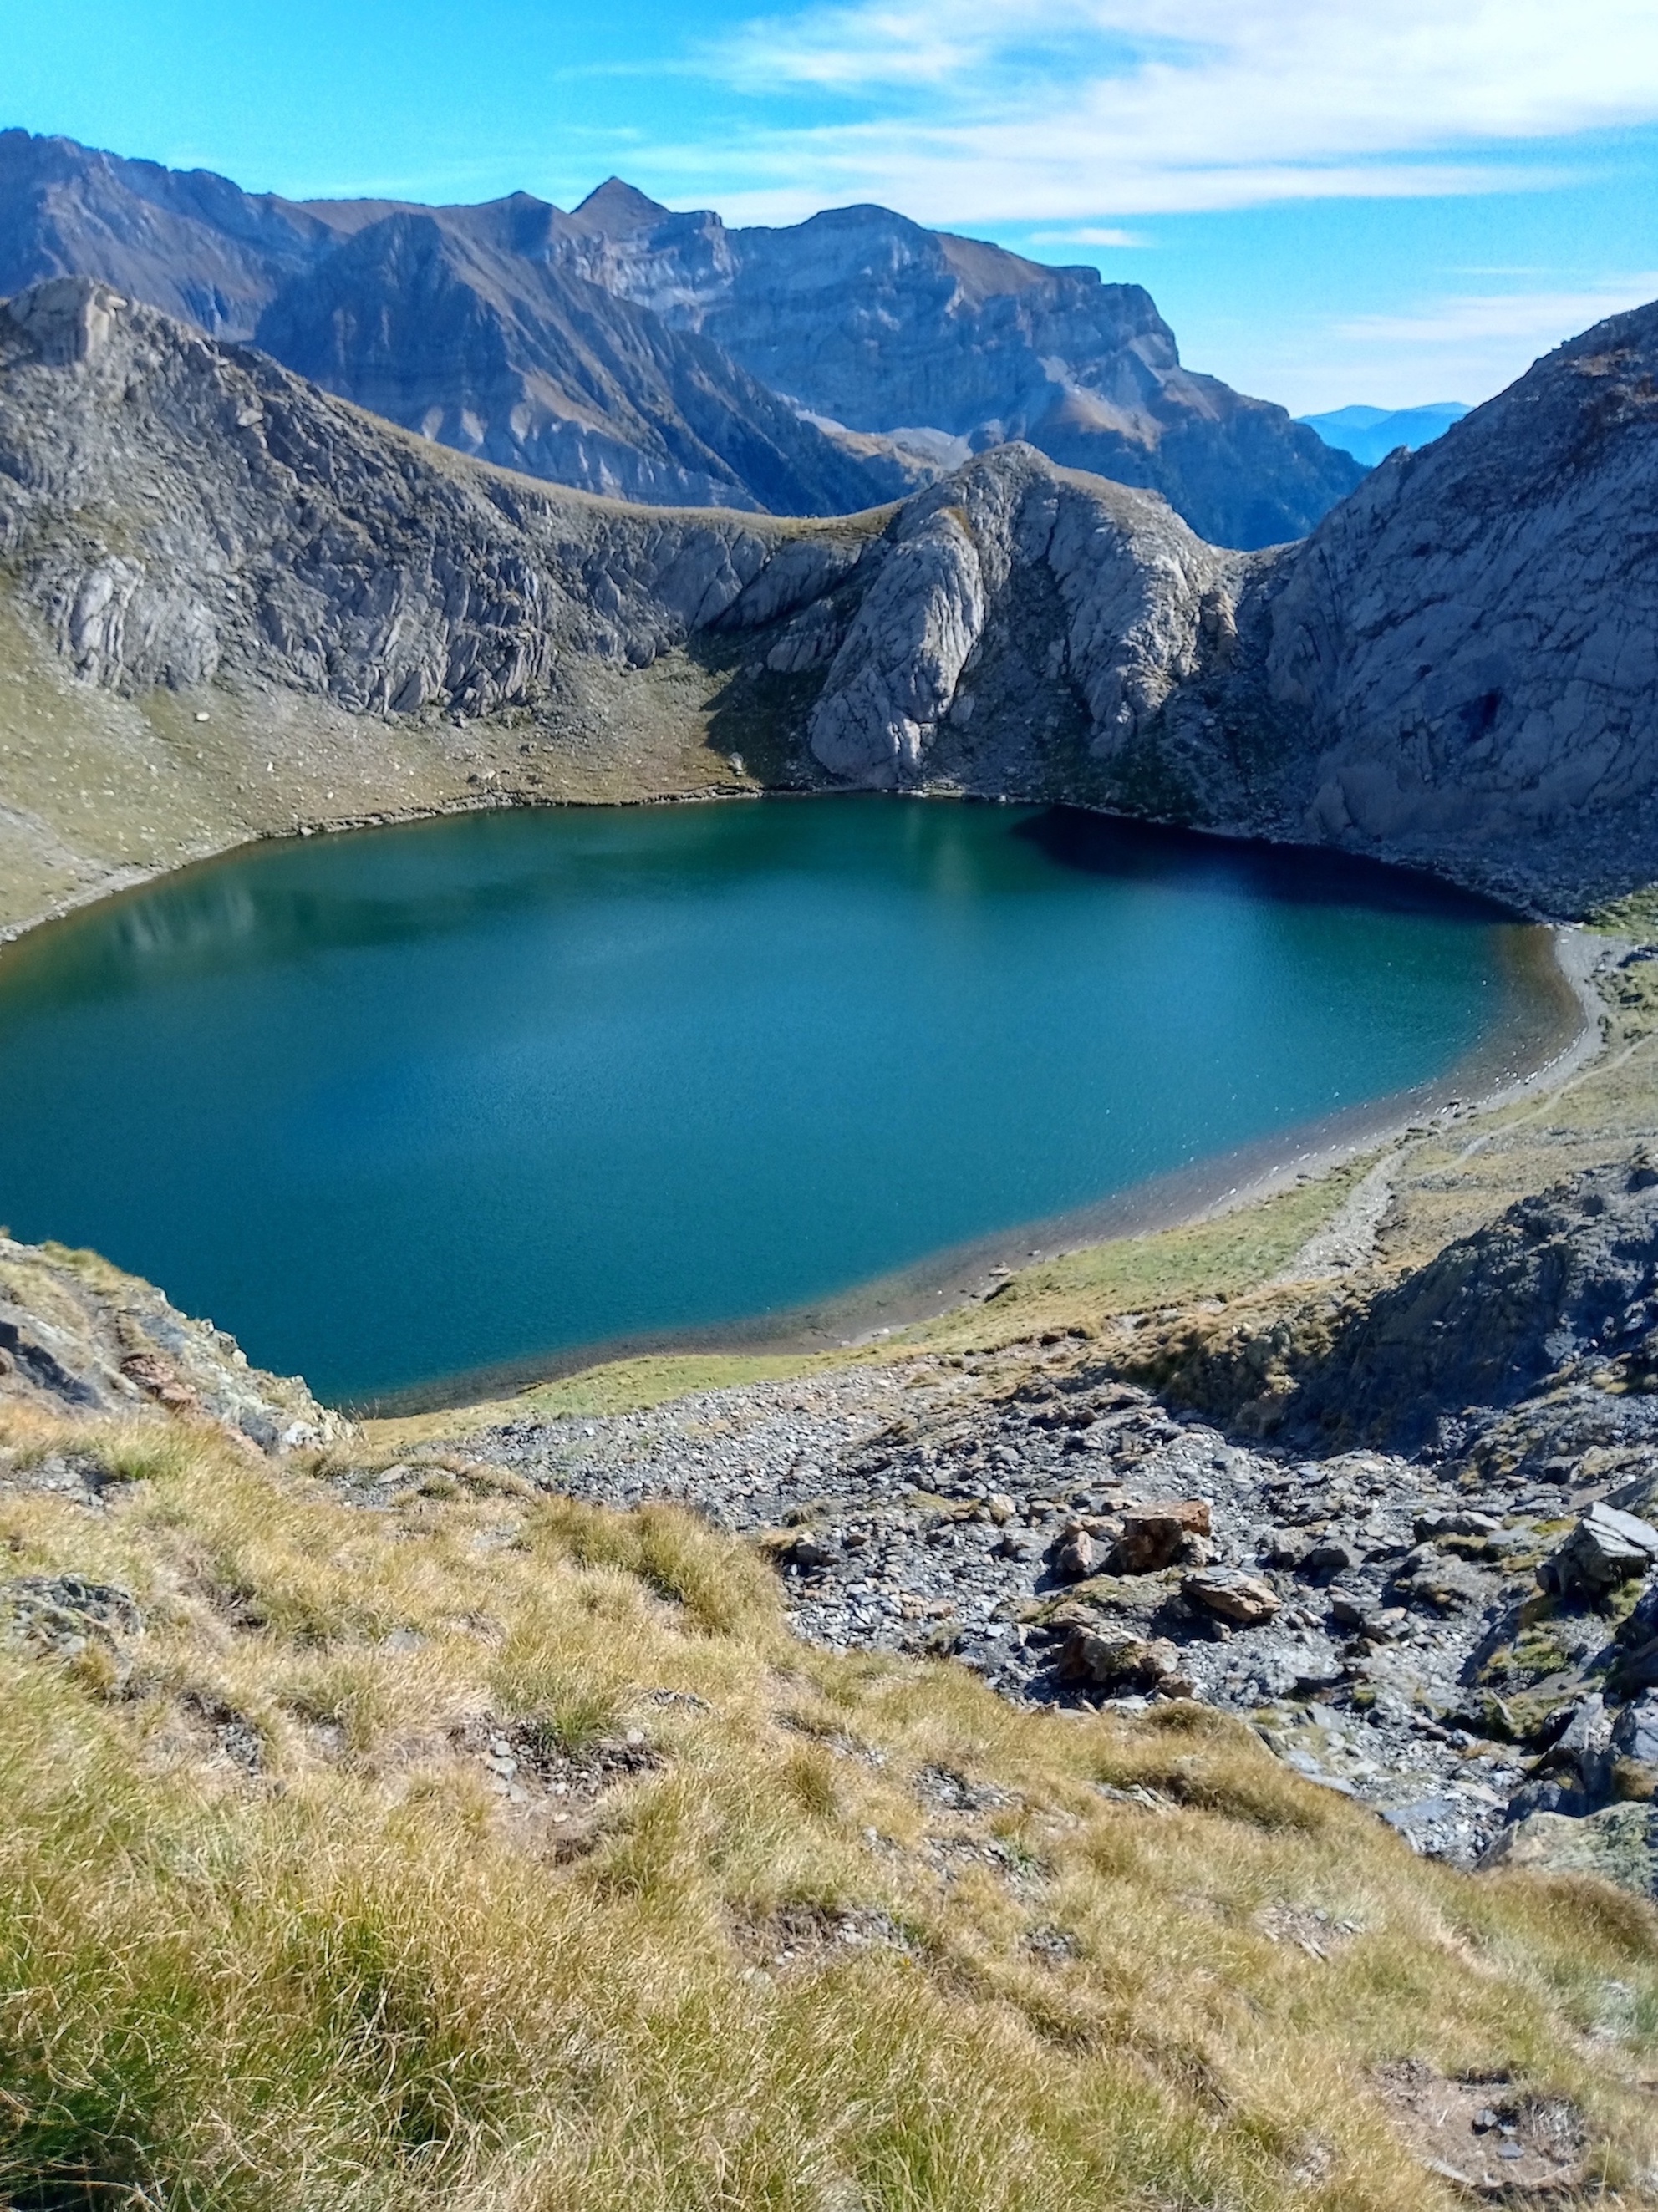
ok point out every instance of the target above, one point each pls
(271, 1936)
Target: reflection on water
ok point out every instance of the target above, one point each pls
(411, 1102)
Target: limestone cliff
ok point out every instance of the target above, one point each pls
(954, 343)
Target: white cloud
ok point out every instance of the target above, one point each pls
(1062, 110)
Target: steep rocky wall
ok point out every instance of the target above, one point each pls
(1469, 644)
(179, 512)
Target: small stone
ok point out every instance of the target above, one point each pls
(1075, 1556)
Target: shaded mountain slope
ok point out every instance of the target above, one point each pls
(489, 332)
(460, 335)
(1470, 642)
(189, 242)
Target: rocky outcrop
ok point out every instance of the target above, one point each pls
(880, 325)
(181, 513)
(1562, 1288)
(1125, 611)
(1470, 644)
(79, 1340)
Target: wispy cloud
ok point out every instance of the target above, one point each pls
(1460, 345)
(1061, 110)
(1090, 234)
(1542, 320)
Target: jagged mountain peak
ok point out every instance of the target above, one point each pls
(615, 207)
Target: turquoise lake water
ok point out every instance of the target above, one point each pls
(398, 1104)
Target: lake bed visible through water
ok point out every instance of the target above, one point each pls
(404, 1104)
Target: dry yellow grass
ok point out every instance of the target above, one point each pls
(834, 1932)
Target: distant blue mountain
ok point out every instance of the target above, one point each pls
(1370, 434)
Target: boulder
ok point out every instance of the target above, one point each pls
(1606, 1548)
(1579, 1761)
(1116, 1659)
(1242, 1599)
(1153, 1537)
(1620, 1844)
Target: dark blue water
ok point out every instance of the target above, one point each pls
(395, 1105)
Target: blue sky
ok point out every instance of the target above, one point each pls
(1396, 202)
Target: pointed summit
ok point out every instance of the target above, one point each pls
(615, 207)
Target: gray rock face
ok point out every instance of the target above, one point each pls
(1470, 642)
(1564, 1279)
(873, 321)
(81, 1340)
(180, 512)
(1128, 593)
(453, 325)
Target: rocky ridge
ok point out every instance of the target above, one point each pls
(454, 325)
(628, 351)
(1456, 670)
(953, 346)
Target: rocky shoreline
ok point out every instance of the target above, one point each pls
(1443, 1634)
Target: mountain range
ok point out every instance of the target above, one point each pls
(626, 349)
(1370, 433)
(234, 602)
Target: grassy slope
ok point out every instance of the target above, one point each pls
(97, 792)
(270, 1938)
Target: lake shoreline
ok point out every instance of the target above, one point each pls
(1565, 1036)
